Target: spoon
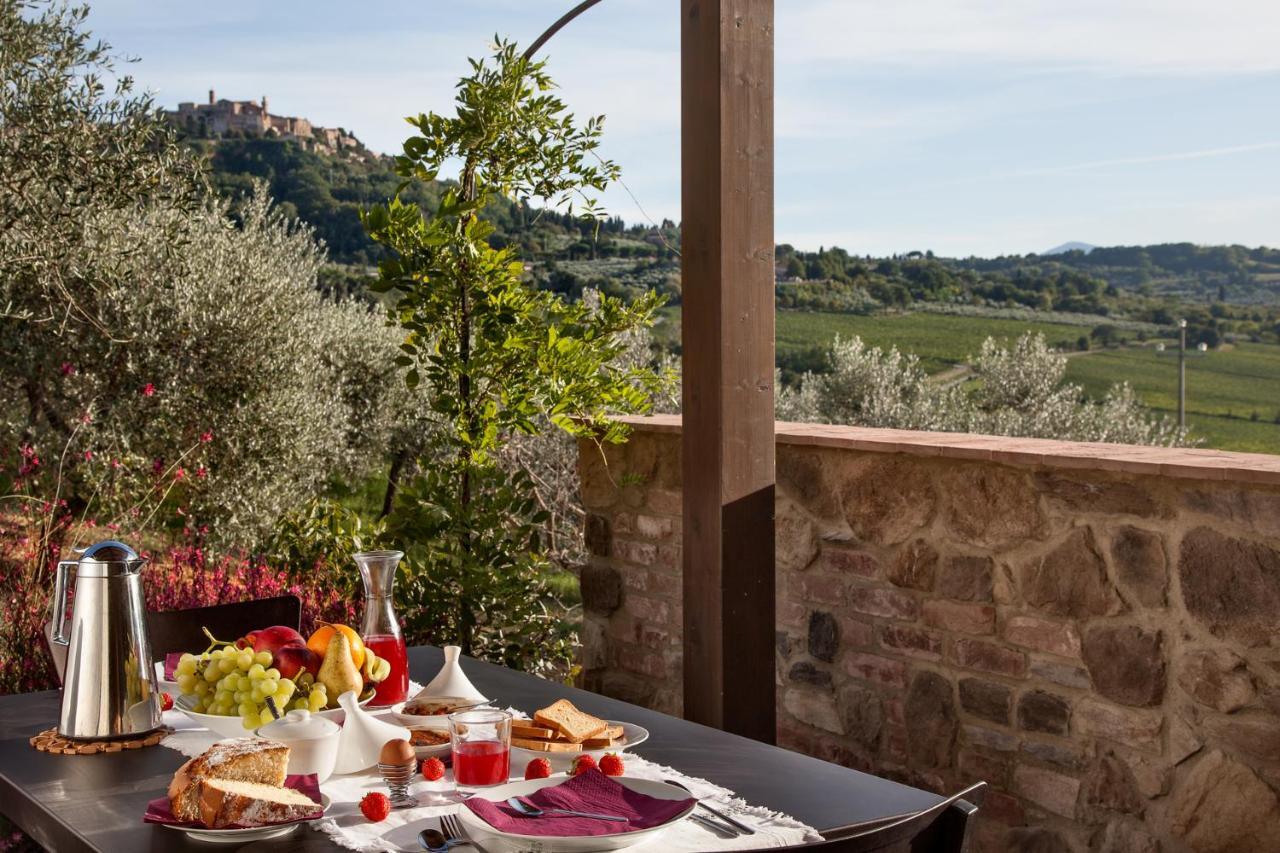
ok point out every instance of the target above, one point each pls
(736, 824)
(433, 841)
(529, 810)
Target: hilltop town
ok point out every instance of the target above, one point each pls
(221, 118)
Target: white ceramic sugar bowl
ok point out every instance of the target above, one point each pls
(312, 742)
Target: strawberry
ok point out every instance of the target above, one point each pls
(537, 768)
(582, 764)
(433, 769)
(166, 702)
(611, 764)
(375, 806)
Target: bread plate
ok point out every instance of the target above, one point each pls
(435, 721)
(497, 841)
(231, 726)
(632, 735)
(430, 750)
(251, 833)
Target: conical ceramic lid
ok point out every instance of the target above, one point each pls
(451, 681)
(363, 736)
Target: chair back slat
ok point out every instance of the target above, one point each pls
(180, 630)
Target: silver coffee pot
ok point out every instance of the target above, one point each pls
(104, 656)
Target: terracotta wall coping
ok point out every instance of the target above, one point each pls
(1189, 463)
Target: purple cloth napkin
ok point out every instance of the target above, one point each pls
(158, 810)
(588, 792)
(171, 662)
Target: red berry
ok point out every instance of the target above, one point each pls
(166, 702)
(582, 764)
(432, 769)
(538, 768)
(611, 764)
(376, 806)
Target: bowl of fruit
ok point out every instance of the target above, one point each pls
(234, 687)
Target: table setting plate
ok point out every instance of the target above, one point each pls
(499, 841)
(634, 736)
(246, 834)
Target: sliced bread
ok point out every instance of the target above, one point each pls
(225, 802)
(261, 761)
(573, 725)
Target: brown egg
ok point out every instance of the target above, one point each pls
(396, 751)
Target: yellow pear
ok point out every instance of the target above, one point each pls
(338, 673)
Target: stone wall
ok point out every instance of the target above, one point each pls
(1091, 629)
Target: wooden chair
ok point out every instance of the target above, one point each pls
(943, 828)
(180, 630)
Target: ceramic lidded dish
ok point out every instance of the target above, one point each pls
(312, 742)
(450, 691)
(363, 737)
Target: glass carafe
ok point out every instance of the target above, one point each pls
(381, 629)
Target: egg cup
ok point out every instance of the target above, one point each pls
(398, 777)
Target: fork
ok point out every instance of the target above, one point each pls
(453, 828)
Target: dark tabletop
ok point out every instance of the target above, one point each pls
(95, 802)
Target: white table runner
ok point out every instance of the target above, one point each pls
(399, 832)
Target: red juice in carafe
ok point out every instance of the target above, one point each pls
(481, 762)
(395, 688)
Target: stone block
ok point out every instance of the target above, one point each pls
(988, 657)
(795, 537)
(1071, 579)
(828, 590)
(965, 578)
(1135, 727)
(640, 553)
(992, 505)
(960, 617)
(911, 641)
(804, 475)
(1126, 663)
(1065, 754)
(887, 603)
(1122, 836)
(1103, 496)
(863, 714)
(824, 636)
(857, 632)
(888, 499)
(1048, 789)
(989, 700)
(1061, 673)
(1230, 586)
(597, 535)
(601, 589)
(1217, 678)
(1043, 635)
(982, 766)
(987, 738)
(915, 566)
(1111, 786)
(841, 560)
(1040, 711)
(877, 669)
(816, 708)
(1253, 733)
(655, 526)
(1141, 565)
(665, 502)
(931, 721)
(1221, 806)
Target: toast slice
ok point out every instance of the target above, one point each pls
(573, 725)
(545, 745)
(526, 729)
(612, 736)
(226, 802)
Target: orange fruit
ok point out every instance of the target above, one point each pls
(318, 642)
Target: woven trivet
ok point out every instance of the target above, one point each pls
(50, 741)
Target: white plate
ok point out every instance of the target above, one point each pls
(231, 726)
(253, 833)
(496, 840)
(438, 751)
(434, 721)
(633, 734)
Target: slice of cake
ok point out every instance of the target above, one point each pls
(225, 802)
(261, 761)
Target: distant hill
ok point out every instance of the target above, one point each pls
(1073, 246)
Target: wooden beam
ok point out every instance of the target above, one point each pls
(726, 110)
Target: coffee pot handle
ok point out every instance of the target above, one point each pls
(58, 621)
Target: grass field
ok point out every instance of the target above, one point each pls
(1224, 388)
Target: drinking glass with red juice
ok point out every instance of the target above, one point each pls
(481, 748)
(381, 629)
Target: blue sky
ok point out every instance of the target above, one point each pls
(962, 126)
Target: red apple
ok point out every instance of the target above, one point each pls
(291, 660)
(273, 638)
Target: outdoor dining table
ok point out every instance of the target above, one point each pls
(95, 802)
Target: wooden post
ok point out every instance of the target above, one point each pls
(726, 110)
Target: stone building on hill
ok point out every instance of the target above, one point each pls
(221, 117)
